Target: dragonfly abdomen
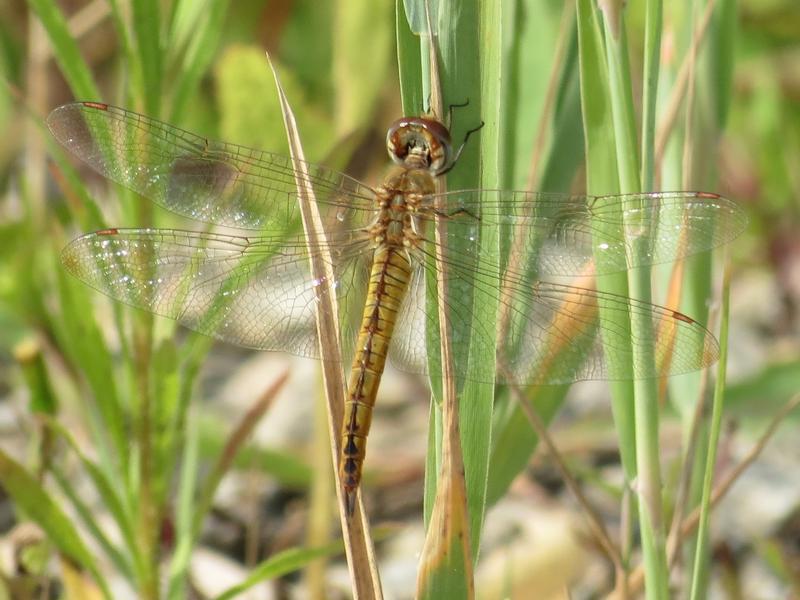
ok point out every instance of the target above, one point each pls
(388, 283)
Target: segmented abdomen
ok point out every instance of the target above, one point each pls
(388, 283)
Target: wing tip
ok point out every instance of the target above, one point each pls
(63, 124)
(70, 254)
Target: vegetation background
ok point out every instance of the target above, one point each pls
(129, 442)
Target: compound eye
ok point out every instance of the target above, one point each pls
(396, 141)
(419, 142)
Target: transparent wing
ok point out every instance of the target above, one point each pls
(209, 181)
(258, 292)
(547, 333)
(242, 187)
(253, 292)
(559, 234)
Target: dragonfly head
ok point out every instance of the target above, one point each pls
(420, 143)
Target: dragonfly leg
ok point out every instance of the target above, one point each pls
(453, 162)
(450, 108)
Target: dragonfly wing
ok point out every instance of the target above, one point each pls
(208, 181)
(561, 333)
(417, 328)
(559, 234)
(547, 333)
(253, 292)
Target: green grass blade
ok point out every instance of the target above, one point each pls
(512, 438)
(33, 499)
(147, 29)
(88, 517)
(542, 50)
(184, 21)
(566, 153)
(108, 491)
(756, 397)
(477, 399)
(446, 567)
(167, 439)
(601, 178)
(80, 335)
(513, 442)
(691, 163)
(700, 576)
(622, 112)
(652, 60)
(186, 507)
(281, 564)
(133, 66)
(478, 165)
(65, 49)
(409, 61)
(206, 32)
(646, 406)
(722, 57)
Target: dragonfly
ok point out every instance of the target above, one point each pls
(533, 256)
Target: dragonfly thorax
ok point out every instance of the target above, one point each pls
(397, 199)
(419, 143)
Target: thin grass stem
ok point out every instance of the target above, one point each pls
(358, 544)
(646, 407)
(688, 526)
(701, 551)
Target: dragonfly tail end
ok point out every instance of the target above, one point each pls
(349, 496)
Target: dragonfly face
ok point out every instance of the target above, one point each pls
(420, 142)
(256, 290)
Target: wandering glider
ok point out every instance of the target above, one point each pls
(256, 290)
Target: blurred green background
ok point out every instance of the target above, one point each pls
(206, 72)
